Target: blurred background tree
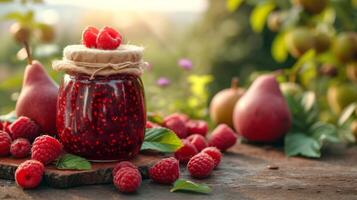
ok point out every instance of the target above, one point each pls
(226, 45)
(213, 39)
(321, 37)
(198, 45)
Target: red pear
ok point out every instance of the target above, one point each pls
(262, 114)
(38, 98)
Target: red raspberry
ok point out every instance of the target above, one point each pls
(6, 126)
(197, 127)
(29, 174)
(5, 143)
(46, 149)
(181, 116)
(108, 38)
(166, 171)
(200, 165)
(122, 165)
(112, 32)
(150, 124)
(24, 127)
(186, 152)
(89, 37)
(198, 141)
(176, 125)
(20, 148)
(222, 137)
(127, 179)
(1, 126)
(215, 154)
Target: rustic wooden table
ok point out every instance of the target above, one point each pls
(244, 174)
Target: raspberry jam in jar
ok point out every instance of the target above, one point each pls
(101, 112)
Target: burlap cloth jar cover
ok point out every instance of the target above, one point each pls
(126, 59)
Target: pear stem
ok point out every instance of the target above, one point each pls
(234, 82)
(28, 51)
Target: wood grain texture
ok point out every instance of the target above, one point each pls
(101, 173)
(243, 174)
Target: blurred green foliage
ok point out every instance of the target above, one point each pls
(226, 46)
(212, 49)
(230, 39)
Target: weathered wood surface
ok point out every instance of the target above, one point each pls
(101, 173)
(243, 174)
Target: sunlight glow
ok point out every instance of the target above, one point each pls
(138, 5)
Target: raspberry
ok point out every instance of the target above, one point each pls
(166, 171)
(215, 154)
(122, 165)
(198, 141)
(186, 152)
(112, 32)
(127, 179)
(5, 143)
(1, 126)
(29, 174)
(197, 127)
(89, 37)
(176, 125)
(24, 127)
(200, 165)
(108, 38)
(222, 137)
(150, 124)
(181, 116)
(46, 149)
(6, 126)
(20, 148)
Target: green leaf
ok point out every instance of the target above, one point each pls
(347, 113)
(309, 100)
(233, 5)
(301, 144)
(161, 139)
(24, 18)
(10, 117)
(345, 134)
(308, 73)
(155, 117)
(308, 56)
(189, 186)
(329, 16)
(15, 15)
(70, 161)
(323, 131)
(303, 110)
(259, 15)
(278, 48)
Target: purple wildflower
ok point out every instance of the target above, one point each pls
(163, 82)
(185, 63)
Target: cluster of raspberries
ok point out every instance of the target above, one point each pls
(193, 134)
(201, 156)
(127, 177)
(22, 139)
(106, 38)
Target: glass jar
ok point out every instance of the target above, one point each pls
(101, 119)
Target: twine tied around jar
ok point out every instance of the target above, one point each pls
(92, 69)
